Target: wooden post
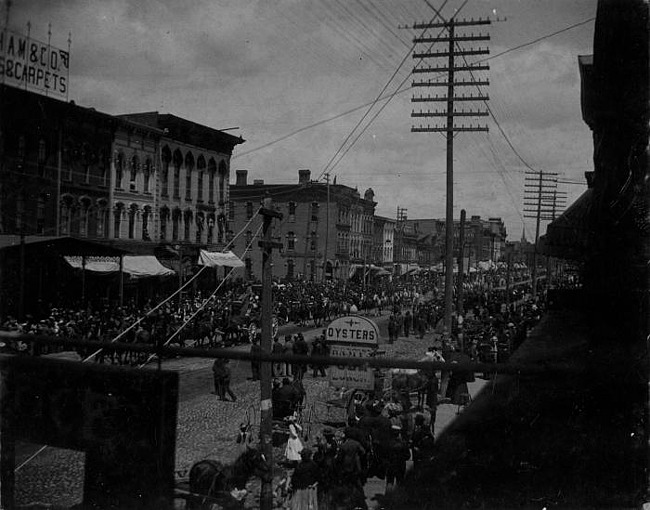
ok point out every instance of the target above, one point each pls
(266, 410)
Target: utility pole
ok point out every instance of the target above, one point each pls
(327, 225)
(399, 248)
(452, 84)
(266, 411)
(461, 263)
(540, 202)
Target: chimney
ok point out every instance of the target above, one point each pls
(258, 182)
(304, 176)
(242, 176)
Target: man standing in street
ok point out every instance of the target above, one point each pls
(300, 348)
(407, 323)
(278, 366)
(319, 348)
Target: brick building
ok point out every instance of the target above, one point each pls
(322, 237)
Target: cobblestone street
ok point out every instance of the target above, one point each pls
(207, 427)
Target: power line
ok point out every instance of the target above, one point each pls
(396, 92)
(372, 105)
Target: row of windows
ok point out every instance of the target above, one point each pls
(292, 208)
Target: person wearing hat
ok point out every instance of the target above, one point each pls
(398, 454)
(304, 482)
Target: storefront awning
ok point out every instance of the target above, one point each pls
(215, 259)
(137, 266)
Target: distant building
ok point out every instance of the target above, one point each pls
(185, 205)
(322, 238)
(384, 242)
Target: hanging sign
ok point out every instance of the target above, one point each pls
(352, 337)
(33, 65)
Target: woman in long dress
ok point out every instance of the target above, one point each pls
(294, 444)
(304, 483)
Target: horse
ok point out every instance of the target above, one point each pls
(217, 482)
(412, 382)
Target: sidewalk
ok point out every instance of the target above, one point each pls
(445, 416)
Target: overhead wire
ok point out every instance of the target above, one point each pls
(329, 166)
(205, 301)
(396, 92)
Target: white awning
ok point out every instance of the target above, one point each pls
(138, 266)
(214, 259)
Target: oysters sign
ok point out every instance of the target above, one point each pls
(352, 337)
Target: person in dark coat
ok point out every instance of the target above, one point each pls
(222, 375)
(421, 441)
(300, 348)
(319, 348)
(303, 481)
(398, 454)
(408, 321)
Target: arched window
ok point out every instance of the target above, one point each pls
(133, 173)
(102, 218)
(231, 210)
(146, 213)
(176, 218)
(249, 210)
(133, 209)
(249, 239)
(291, 265)
(249, 268)
(164, 216)
(178, 162)
(314, 211)
(189, 167)
(117, 219)
(292, 212)
(84, 202)
(200, 223)
(212, 170)
(200, 172)
(146, 174)
(188, 222)
(312, 241)
(210, 228)
(164, 177)
(223, 174)
(119, 170)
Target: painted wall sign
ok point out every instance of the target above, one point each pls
(33, 65)
(352, 337)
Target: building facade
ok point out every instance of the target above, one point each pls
(326, 228)
(186, 201)
(54, 166)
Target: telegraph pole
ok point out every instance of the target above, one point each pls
(461, 262)
(327, 224)
(266, 411)
(401, 218)
(453, 39)
(540, 202)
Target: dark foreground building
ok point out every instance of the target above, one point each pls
(574, 435)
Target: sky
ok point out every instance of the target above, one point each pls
(295, 77)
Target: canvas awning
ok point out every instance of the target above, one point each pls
(215, 259)
(137, 266)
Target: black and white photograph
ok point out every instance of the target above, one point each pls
(324, 254)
